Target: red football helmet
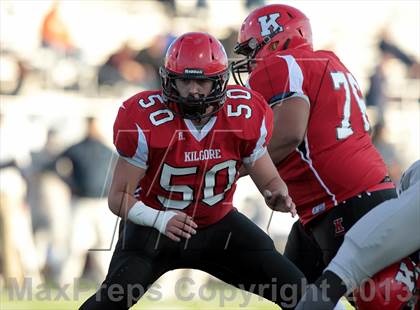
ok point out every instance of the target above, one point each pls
(269, 29)
(195, 55)
(396, 287)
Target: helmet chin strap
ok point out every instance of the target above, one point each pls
(194, 108)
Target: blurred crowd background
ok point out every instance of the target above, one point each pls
(67, 65)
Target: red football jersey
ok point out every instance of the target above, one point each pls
(337, 159)
(187, 169)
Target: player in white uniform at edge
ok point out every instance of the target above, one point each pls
(385, 235)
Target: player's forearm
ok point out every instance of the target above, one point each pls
(276, 183)
(265, 175)
(120, 203)
(124, 183)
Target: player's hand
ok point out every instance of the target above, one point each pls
(180, 225)
(277, 201)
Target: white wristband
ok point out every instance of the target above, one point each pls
(141, 214)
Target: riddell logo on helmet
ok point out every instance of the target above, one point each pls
(193, 71)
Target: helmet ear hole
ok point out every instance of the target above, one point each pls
(300, 32)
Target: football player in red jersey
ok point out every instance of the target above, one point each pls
(182, 147)
(321, 144)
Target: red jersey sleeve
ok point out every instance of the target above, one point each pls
(277, 78)
(259, 131)
(129, 137)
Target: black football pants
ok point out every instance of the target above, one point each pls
(234, 250)
(329, 229)
(313, 247)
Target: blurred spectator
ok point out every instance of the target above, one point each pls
(54, 32)
(152, 56)
(253, 4)
(388, 152)
(49, 199)
(12, 73)
(171, 11)
(229, 42)
(92, 223)
(62, 66)
(17, 251)
(201, 4)
(170, 7)
(377, 94)
(121, 69)
(390, 48)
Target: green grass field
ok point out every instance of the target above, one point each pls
(46, 301)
